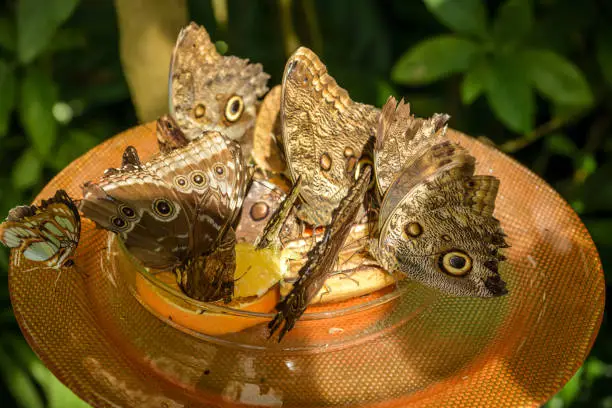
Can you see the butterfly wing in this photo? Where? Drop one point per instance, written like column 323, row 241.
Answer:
column 47, row 233
column 324, row 134
column 436, row 220
column 173, row 207
column 209, row 91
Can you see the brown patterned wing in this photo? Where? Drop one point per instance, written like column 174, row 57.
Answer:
column 436, row 221
column 324, row 134
column 209, row 91
column 174, row 207
column 401, row 136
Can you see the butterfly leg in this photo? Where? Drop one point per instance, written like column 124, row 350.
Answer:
column 321, row 259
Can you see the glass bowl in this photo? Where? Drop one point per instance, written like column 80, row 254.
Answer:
column 409, row 346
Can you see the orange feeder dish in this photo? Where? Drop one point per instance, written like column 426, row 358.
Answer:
column 119, row 336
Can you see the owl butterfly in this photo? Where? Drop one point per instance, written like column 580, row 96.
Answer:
column 48, row 233
column 436, row 221
column 177, row 210
column 209, row 91
column 325, row 135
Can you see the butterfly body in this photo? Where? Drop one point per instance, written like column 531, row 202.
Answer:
column 48, row 233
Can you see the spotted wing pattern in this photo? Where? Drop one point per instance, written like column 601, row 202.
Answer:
column 48, row 233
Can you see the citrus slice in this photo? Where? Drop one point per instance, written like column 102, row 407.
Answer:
column 256, row 290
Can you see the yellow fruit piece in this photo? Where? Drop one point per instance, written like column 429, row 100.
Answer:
column 256, row 270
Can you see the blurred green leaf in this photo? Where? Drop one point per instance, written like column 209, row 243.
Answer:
column 604, row 54
column 598, row 191
column 600, row 230
column 8, row 83
column 510, row 95
column 570, row 392
column 75, row 144
column 38, row 95
column 463, row 16
column 221, row 47
column 383, row 90
column 434, row 59
column 474, row 81
column 513, row 23
column 560, row 143
column 18, row 381
column 556, row 77
column 27, row 171
column 58, row 396
column 7, row 34
column 37, row 21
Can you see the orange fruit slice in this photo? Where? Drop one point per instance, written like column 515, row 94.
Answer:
column 256, row 290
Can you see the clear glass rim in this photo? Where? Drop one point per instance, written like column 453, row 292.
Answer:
column 400, row 288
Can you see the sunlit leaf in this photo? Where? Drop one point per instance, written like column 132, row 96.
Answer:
column 38, row 95
column 513, row 22
column 474, row 81
column 37, row 21
column 27, row 171
column 510, row 95
column 8, row 37
column 8, row 83
column 18, row 381
column 463, row 16
column 556, row 77
column 434, row 59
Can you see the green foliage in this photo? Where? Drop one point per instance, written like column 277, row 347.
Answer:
column 534, row 77
column 508, row 70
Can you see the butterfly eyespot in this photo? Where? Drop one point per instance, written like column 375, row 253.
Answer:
column 259, row 211
column 163, row 207
column 199, row 179
column 220, row 171
column 470, row 184
column 234, row 108
column 455, row 263
column 118, row 222
column 325, row 162
column 180, row 181
column 199, row 111
column 127, row 211
column 413, row 229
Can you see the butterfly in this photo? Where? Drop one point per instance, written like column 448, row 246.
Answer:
column 434, row 223
column 209, row 91
column 48, row 233
column 176, row 211
column 324, row 134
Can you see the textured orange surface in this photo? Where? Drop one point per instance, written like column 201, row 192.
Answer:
column 427, row 350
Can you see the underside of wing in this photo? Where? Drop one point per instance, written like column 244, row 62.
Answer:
column 209, row 91
column 325, row 134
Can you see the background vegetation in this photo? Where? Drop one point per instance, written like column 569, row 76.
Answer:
column 535, row 77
